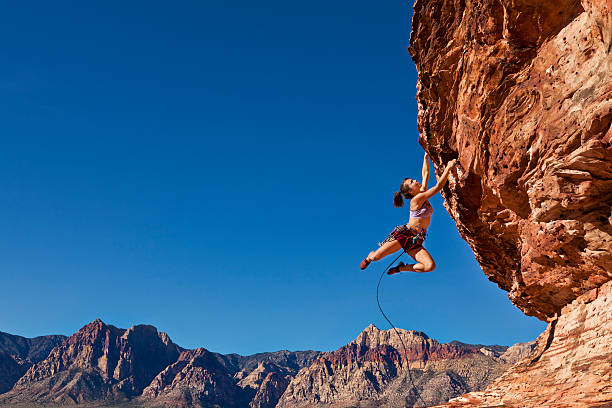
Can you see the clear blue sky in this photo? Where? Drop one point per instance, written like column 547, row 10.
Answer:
column 219, row 170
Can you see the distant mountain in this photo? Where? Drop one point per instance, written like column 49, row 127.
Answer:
column 141, row 367
column 265, row 376
column 104, row 364
column 99, row 362
column 372, row 371
column 17, row 354
column 289, row 361
column 197, row 378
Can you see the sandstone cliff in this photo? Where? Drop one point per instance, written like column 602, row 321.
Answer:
column 521, row 93
column 569, row 367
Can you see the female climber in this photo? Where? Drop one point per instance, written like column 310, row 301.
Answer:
column 410, row 237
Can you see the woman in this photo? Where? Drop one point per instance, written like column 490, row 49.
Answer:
column 410, row 237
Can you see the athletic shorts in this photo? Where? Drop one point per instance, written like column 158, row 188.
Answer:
column 408, row 237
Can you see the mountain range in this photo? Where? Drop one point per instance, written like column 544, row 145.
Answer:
column 102, row 365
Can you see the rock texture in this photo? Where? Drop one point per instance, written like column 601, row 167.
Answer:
column 270, row 390
column 372, row 371
column 268, row 382
column 569, row 367
column 17, row 354
column 520, row 92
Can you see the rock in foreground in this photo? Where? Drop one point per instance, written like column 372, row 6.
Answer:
column 569, row 367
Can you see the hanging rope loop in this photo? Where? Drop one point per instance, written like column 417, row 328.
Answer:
column 395, row 329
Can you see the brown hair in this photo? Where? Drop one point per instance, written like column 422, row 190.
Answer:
column 398, row 197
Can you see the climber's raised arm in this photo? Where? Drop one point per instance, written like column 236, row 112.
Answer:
column 420, row 198
column 425, row 173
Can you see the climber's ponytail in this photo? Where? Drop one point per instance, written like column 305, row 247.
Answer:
column 403, row 193
column 398, row 201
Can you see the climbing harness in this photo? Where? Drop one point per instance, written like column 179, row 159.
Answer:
column 395, row 329
column 408, row 237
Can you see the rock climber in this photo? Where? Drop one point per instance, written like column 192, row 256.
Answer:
column 410, row 237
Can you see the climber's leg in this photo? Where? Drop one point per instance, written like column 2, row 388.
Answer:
column 425, row 262
column 385, row 249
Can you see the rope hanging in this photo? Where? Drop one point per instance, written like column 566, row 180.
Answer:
column 395, row 329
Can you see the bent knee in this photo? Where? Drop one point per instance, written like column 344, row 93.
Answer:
column 430, row 266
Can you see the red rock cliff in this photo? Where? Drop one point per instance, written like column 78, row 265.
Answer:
column 520, row 92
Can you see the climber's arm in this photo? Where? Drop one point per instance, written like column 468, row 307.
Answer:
column 420, row 198
column 425, row 179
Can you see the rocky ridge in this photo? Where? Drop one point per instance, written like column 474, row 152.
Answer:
column 520, row 92
column 372, row 370
column 99, row 361
column 102, row 364
column 141, row 367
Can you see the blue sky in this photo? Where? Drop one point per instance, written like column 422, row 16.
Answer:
column 219, row 170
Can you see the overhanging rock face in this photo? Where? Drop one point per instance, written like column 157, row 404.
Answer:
column 521, row 93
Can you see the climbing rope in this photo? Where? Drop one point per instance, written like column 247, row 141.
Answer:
column 395, row 329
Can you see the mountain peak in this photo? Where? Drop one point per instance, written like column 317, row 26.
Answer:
column 118, row 361
column 372, row 337
column 371, row 327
